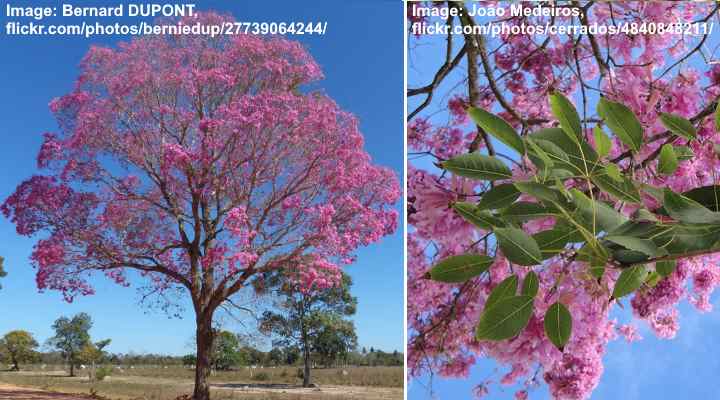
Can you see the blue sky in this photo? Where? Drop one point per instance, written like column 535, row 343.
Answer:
column 683, row 368
column 361, row 56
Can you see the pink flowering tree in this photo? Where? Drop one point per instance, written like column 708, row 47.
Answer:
column 194, row 166
column 567, row 175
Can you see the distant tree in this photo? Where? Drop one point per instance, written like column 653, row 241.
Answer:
column 93, row 354
column 18, row 347
column 2, row 269
column 291, row 355
column 335, row 340
column 275, row 356
column 52, row 357
column 379, row 357
column 304, row 314
column 189, row 360
column 226, row 351
column 253, row 356
column 71, row 336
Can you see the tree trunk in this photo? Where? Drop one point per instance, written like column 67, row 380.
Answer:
column 72, row 368
column 204, row 339
column 305, row 343
column 306, row 372
column 16, row 364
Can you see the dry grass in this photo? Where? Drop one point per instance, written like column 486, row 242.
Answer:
column 355, row 376
column 158, row 383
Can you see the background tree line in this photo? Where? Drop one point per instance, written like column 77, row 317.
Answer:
column 73, row 346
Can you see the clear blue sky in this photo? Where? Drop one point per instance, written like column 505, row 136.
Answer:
column 361, row 56
column 683, row 368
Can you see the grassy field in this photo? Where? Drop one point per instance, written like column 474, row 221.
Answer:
column 168, row 383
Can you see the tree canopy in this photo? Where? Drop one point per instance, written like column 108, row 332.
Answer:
column 554, row 178
column 72, row 335
column 18, row 347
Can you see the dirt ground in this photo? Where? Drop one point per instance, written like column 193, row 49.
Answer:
column 18, row 393
column 11, row 392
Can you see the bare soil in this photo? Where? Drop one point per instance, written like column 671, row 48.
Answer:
column 21, row 393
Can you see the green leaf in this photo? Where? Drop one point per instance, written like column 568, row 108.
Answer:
column 644, row 246
column 665, row 268
column 577, row 157
column 558, row 325
column 629, row 280
column 538, row 191
column 542, row 153
column 621, row 189
column 717, row 117
column 622, row 121
column 596, row 214
column 531, row 284
column 477, row 166
column 593, row 253
column 460, row 268
column 561, row 174
column 681, row 239
column 642, row 214
column 553, row 241
column 549, row 148
column 687, row 210
column 540, row 159
column 481, row 219
column 641, row 229
column 668, row 160
column 522, row 211
column 627, row 257
column 518, row 246
column 613, row 171
column 603, row 144
column 506, row 288
column 652, row 279
column 684, row 153
column 497, row 127
column 708, row 196
column 654, row 191
column 678, row 125
column 505, row 319
column 499, row 196
column 567, row 115
column 596, row 270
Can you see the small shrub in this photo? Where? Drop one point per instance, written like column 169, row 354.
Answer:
column 261, row 376
column 300, row 374
column 102, row 372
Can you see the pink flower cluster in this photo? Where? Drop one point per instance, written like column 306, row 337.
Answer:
column 313, row 274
